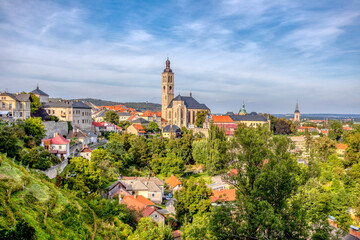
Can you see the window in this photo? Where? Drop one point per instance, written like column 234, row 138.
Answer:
column 10, row 105
column 53, row 111
column 60, row 147
column 83, row 121
column 82, row 113
column 3, row 105
column 153, row 195
column 20, row 114
column 155, row 215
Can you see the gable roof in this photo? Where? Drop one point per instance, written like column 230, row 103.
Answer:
column 137, row 201
column 140, row 121
column 169, row 128
column 39, row 92
column 225, row 195
column 222, row 119
column 17, row 97
column 173, row 181
column 139, row 128
column 58, row 139
column 248, row 117
column 66, row 104
column 341, row 146
column 86, row 149
column 189, row 102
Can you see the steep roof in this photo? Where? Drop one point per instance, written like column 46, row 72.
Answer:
column 173, row 128
column 137, row 201
column 189, row 102
column 148, row 211
column 134, row 185
column 226, row 195
column 139, row 128
column 173, row 181
column 17, row 97
column 86, row 149
column 39, row 92
column 58, row 139
column 248, row 117
column 222, row 119
column 140, row 121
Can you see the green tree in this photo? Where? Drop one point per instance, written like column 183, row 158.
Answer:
column 193, row 198
column 352, row 155
column 282, row 127
column 150, row 230
column 153, row 127
column 200, row 118
column 124, row 124
column 112, row 117
column 200, row 228
column 35, row 103
column 336, row 130
column 139, row 152
column 34, row 128
column 22, row 231
column 199, row 151
column 167, row 166
column 10, row 142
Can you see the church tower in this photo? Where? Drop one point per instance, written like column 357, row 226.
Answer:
column 167, row 89
column 297, row 113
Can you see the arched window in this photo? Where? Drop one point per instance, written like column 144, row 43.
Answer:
column 170, row 87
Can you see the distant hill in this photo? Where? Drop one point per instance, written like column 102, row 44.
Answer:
column 140, row 106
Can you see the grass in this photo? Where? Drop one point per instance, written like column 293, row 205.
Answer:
column 203, row 175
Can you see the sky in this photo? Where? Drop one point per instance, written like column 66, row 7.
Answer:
column 265, row 53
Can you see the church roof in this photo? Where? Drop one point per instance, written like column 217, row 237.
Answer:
column 297, row 108
column 38, row 91
column 170, row 128
column 189, row 102
column 248, row 117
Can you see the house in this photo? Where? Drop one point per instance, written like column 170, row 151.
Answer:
column 174, row 183
column 99, row 127
column 250, row 120
column 86, row 152
column 341, row 149
column 154, row 213
column 124, row 116
column 177, row 235
column 226, row 122
column 117, row 189
column 149, row 187
column 43, row 97
column 76, row 112
column 171, row 131
column 58, row 145
column 14, row 106
column 140, row 121
column 224, row 195
column 98, row 116
column 137, row 202
column 310, row 129
column 136, row 129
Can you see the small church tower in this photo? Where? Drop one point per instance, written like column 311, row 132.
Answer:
column 297, row 113
column 242, row 110
column 167, row 88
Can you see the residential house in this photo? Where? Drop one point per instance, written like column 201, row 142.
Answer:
column 140, row 121
column 309, row 129
column 149, row 187
column 78, row 113
column 341, row 149
column 225, row 195
column 98, row 116
column 14, row 106
column 86, row 152
column 136, row 129
column 154, row 213
column 177, row 234
column 250, row 120
column 152, row 117
column 171, row 131
column 43, row 97
column 99, row 127
column 58, row 145
column 124, row 116
column 174, row 183
column 137, row 202
column 226, row 122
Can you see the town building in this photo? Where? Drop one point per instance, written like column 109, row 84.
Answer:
column 14, row 106
column 154, row 213
column 174, row 183
column 171, row 131
column 297, row 113
column 78, row 113
column 124, row 116
column 86, row 152
column 43, row 97
column 99, row 127
column 58, row 145
column 341, row 149
column 181, row 110
column 224, row 195
column 136, row 129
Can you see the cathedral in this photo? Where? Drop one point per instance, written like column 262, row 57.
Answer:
column 181, row 110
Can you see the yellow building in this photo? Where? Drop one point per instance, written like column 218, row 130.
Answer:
column 14, row 106
column 181, row 110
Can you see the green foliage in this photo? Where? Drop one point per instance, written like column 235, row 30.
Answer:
column 22, row 231
column 199, row 151
column 167, row 166
column 200, row 228
column 153, row 127
column 193, row 198
column 124, row 124
column 39, row 158
column 352, row 155
column 150, row 230
column 34, row 128
column 336, row 130
column 56, row 119
column 112, row 117
column 200, row 118
column 70, row 127
column 282, row 127
column 34, row 103
column 10, row 142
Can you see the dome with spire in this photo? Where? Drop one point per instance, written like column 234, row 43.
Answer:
column 37, row 91
column 242, row 110
column 167, row 63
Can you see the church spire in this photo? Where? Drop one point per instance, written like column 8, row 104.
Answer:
column 167, row 63
column 297, row 107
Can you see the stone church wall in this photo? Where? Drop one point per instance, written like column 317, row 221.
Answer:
column 53, row 127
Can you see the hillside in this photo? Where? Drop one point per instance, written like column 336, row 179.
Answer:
column 50, row 210
column 141, row 106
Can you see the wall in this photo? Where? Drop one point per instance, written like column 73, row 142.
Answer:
column 53, row 127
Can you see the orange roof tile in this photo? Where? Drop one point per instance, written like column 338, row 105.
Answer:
column 164, row 120
column 173, row 181
column 137, row 202
column 148, row 113
column 139, row 128
column 158, row 114
column 341, row 146
column 233, row 172
column 131, row 117
column 226, row 195
column 222, row 119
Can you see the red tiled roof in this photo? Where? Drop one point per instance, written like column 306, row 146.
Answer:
column 148, row 211
column 176, row 233
column 173, row 181
column 222, row 119
column 158, row 114
column 347, row 128
column 233, row 172
column 86, row 149
column 131, row 117
column 57, row 140
column 226, row 195
column 98, row 124
column 139, row 128
column 164, row 120
column 341, row 146
column 148, row 113
column 137, row 202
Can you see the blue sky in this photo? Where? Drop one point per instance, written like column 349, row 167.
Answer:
column 266, row 53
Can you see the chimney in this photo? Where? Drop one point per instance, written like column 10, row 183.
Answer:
column 135, row 196
column 355, row 231
column 55, row 134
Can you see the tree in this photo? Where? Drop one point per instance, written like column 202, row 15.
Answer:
column 167, row 166
column 268, row 176
column 150, row 230
column 22, row 231
column 153, row 127
column 199, row 151
column 34, row 128
column 200, row 228
column 352, row 155
column 200, row 118
column 336, row 130
column 35, row 103
column 124, row 124
column 282, row 127
column 112, row 117
column 193, row 198
column 10, row 142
